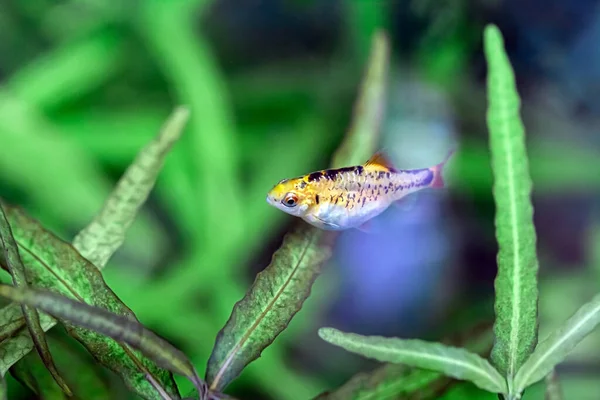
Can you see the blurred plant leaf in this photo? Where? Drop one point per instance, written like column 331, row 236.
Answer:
column 32, row 318
column 118, row 327
column 553, row 389
column 192, row 71
column 516, row 283
column 55, row 265
column 279, row 291
column 68, row 72
column 555, row 348
column 104, row 235
column 452, row 361
column 56, row 258
column 394, row 381
column 32, row 373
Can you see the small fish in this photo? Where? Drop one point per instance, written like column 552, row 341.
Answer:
column 344, row 198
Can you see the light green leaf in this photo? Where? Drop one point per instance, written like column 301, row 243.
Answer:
column 394, row 381
column 516, row 282
column 32, row 318
column 554, row 349
column 105, row 234
column 553, row 389
column 280, row 290
column 451, row 361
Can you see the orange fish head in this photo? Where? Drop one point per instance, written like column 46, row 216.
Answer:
column 291, row 196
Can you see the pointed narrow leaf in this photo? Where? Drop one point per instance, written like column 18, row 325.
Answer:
column 394, row 381
column 554, row 349
column 17, row 271
column 120, row 328
column 451, row 361
column 55, row 265
column 516, row 282
column 105, row 234
column 279, row 291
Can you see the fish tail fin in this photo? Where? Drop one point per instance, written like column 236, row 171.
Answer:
column 438, row 179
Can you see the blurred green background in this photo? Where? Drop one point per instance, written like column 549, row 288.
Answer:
column 271, row 85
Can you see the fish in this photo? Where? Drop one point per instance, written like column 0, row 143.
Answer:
column 350, row 197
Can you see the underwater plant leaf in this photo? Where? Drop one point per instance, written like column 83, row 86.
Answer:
column 118, row 327
column 275, row 297
column 557, row 346
column 31, row 373
column 104, row 235
column 394, row 381
column 55, row 265
column 451, row 361
column 516, row 281
column 280, row 290
column 553, row 389
column 32, row 318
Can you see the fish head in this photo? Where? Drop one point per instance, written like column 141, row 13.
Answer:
column 292, row 196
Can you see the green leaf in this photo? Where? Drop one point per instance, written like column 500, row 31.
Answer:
column 32, row 318
column 553, row 389
column 452, row 361
column 555, row 348
column 55, row 265
column 121, row 328
column 265, row 311
column 516, row 282
column 105, row 234
column 102, row 237
column 32, row 373
column 393, row 381
column 279, row 291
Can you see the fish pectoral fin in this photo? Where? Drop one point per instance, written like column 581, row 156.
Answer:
column 406, row 203
column 328, row 225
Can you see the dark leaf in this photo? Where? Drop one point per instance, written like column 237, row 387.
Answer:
column 32, row 319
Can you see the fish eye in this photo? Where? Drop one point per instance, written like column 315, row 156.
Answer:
column 290, row 200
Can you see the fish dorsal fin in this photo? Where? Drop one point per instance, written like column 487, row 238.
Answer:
column 379, row 161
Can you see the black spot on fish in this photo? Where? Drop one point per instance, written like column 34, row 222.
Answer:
column 317, row 198
column 358, row 170
column 388, row 175
column 302, row 185
column 363, row 202
column 380, row 175
column 331, row 174
column 315, row 176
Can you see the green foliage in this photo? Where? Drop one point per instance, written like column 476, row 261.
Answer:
column 516, row 325
column 452, row 361
column 554, row 349
column 32, row 318
column 516, row 282
column 54, row 111
column 280, row 290
column 275, row 297
column 120, row 328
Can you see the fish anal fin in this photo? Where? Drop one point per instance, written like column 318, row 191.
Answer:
column 379, row 161
column 366, row 227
